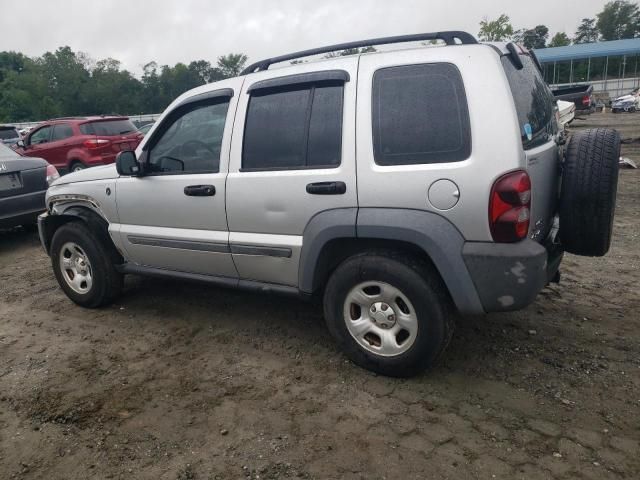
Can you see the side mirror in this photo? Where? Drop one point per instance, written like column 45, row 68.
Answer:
column 127, row 164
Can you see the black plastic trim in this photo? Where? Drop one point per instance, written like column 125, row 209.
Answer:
column 222, row 93
column 180, row 244
column 281, row 252
column 341, row 76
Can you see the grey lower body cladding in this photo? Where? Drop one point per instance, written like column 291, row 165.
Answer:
column 509, row 276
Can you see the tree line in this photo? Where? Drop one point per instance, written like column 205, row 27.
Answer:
column 618, row 20
column 68, row 83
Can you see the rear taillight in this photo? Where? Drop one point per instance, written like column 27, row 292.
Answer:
column 586, row 100
column 96, row 143
column 52, row 174
column 509, row 207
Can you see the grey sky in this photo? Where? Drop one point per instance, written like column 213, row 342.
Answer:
column 170, row 31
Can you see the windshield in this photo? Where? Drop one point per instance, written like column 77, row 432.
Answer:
column 8, row 133
column 108, row 128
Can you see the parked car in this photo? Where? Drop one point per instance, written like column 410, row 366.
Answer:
column 396, row 186
column 9, row 134
column 627, row 103
column 75, row 143
column 581, row 96
column 23, row 184
column 566, row 112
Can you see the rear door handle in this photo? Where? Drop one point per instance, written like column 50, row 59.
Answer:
column 200, row 190
column 327, row 188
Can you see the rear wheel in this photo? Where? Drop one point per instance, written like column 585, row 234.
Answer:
column 82, row 265
column 388, row 312
column 588, row 193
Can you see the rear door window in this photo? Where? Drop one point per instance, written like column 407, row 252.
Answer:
column 108, row 128
column 60, row 132
column 533, row 100
column 420, row 115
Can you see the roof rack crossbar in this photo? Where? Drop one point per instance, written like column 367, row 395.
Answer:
column 449, row 37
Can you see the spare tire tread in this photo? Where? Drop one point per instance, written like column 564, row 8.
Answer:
column 588, row 195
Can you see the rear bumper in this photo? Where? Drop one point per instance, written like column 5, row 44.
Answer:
column 509, row 276
column 21, row 209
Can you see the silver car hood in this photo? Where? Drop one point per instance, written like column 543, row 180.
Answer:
column 103, row 172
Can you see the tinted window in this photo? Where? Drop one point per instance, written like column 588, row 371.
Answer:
column 420, row 115
column 294, row 128
column 8, row 133
column 40, row 136
column 60, row 132
column 191, row 141
column 108, row 128
column 533, row 100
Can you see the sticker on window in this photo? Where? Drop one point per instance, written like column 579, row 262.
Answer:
column 528, row 131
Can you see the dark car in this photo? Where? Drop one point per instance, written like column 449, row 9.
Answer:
column 23, row 184
column 75, row 143
column 581, row 96
column 9, row 134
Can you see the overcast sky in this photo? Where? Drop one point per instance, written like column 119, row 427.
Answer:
column 171, row 31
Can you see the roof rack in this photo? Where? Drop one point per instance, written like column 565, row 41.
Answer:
column 450, row 38
column 65, row 118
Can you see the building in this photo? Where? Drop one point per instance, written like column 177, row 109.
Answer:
column 612, row 68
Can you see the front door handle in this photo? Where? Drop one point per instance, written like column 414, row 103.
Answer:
column 327, row 188
column 200, row 190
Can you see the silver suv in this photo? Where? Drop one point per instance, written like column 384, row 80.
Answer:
column 399, row 187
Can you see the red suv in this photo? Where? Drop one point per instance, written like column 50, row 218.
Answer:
column 74, row 143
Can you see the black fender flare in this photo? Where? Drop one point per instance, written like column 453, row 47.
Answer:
column 432, row 233
column 48, row 224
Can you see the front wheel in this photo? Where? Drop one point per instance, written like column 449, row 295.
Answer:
column 82, row 265
column 388, row 312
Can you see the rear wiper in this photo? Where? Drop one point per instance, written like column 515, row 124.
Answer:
column 126, row 131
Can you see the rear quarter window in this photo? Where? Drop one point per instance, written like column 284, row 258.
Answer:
column 420, row 115
column 533, row 101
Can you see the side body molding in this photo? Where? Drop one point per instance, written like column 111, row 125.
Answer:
column 432, row 233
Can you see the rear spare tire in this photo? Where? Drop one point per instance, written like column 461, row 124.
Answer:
column 588, row 193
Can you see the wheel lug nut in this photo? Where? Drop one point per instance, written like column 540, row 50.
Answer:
column 384, row 307
column 373, row 308
column 392, row 318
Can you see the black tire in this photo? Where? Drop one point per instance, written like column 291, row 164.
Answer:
column 106, row 280
column 588, row 193
column 76, row 166
column 422, row 287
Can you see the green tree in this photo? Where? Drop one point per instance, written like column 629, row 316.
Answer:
column 587, row 31
column 496, row 30
column 619, row 19
column 560, row 39
column 532, row 38
column 231, row 64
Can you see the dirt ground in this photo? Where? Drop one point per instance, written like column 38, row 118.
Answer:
column 184, row 381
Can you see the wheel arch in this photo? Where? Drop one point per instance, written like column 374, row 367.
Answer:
column 78, row 213
column 334, row 235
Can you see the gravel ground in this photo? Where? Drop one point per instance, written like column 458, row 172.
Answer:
column 184, row 381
